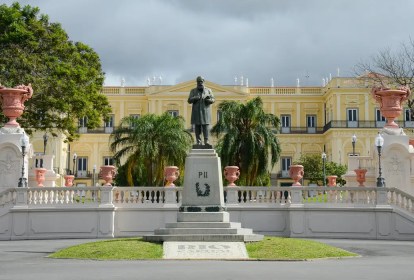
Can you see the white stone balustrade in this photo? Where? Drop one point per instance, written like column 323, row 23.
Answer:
column 106, row 212
column 146, row 195
column 258, row 195
column 8, row 197
column 243, row 196
column 46, row 196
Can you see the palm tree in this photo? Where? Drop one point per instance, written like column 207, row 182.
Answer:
column 246, row 138
column 150, row 143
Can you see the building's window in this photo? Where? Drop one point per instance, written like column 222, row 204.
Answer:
column 173, row 113
column 135, row 117
column 286, row 162
column 108, row 161
column 219, row 115
column 379, row 118
column 109, row 124
column 352, row 117
column 311, row 123
column 82, row 124
column 81, row 167
column 408, row 118
column 285, row 119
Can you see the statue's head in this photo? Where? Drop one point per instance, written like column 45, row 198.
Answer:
column 200, row 82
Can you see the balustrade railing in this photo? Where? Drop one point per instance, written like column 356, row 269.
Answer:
column 258, row 195
column 242, row 196
column 87, row 196
column 146, row 195
column 7, row 197
column 339, row 195
column 401, row 199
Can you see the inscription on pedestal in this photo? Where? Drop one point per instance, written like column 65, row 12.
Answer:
column 205, row 250
column 203, row 185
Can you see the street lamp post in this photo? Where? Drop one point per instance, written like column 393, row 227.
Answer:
column 379, row 142
column 354, row 139
column 24, row 142
column 324, row 173
column 93, row 175
column 75, row 156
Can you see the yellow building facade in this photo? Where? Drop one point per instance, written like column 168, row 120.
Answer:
column 313, row 119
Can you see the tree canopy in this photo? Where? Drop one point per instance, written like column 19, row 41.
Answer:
column 143, row 146
column 246, row 138
column 313, row 168
column 66, row 76
column 391, row 68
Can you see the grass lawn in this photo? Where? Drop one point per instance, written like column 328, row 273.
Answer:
column 279, row 248
column 274, row 248
column 114, row 249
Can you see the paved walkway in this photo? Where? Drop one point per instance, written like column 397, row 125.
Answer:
column 23, row 260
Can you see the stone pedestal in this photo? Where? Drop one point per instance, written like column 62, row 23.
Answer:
column 396, row 159
column 202, row 215
column 43, row 161
column 11, row 158
column 203, row 183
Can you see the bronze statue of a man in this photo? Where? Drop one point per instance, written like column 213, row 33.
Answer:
column 201, row 97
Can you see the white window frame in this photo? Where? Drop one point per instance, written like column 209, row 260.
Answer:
column 311, row 123
column 352, row 117
column 379, row 118
column 83, row 124
column 108, row 161
column 109, row 125
column 408, row 118
column 285, row 123
column 81, row 166
column 174, row 113
column 285, row 164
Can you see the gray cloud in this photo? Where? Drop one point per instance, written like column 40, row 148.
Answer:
column 219, row 39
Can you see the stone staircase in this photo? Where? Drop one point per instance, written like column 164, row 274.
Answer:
column 202, row 216
column 204, row 226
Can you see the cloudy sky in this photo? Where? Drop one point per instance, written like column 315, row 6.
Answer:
column 223, row 39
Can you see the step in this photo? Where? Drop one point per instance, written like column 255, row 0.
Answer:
column 203, row 217
column 205, row 237
column 188, row 231
column 203, row 225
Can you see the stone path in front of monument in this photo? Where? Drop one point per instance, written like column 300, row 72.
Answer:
column 380, row 260
column 205, row 250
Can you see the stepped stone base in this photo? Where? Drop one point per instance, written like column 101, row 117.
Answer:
column 211, row 227
column 202, row 215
